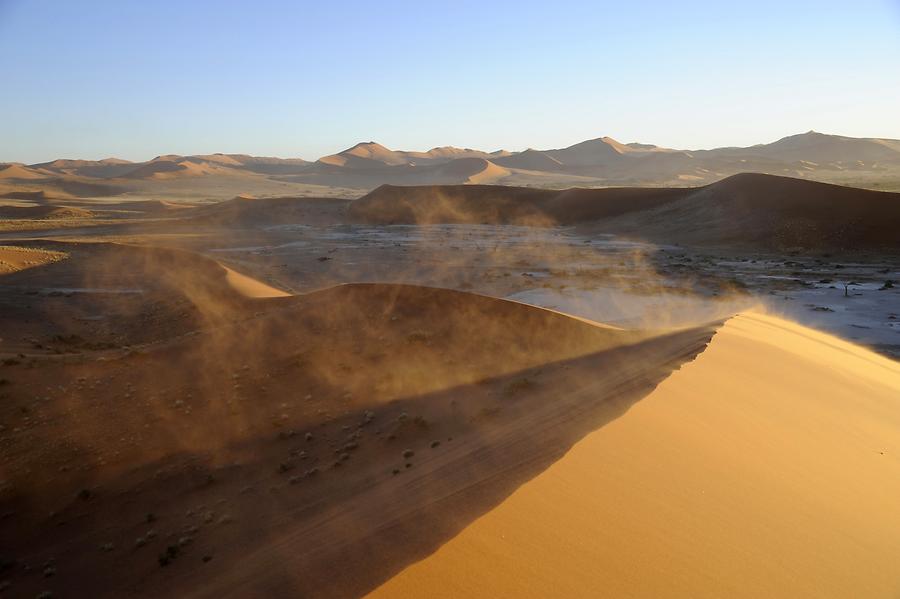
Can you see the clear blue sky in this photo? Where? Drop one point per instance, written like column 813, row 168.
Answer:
column 134, row 79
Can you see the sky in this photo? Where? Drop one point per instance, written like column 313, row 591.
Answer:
column 92, row 79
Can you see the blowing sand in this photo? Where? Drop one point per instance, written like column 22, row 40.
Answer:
column 249, row 287
column 768, row 467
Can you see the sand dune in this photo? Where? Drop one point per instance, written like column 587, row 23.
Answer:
column 820, row 148
column 593, row 152
column 266, row 164
column 771, row 212
column 485, row 392
column 44, row 212
column 223, row 159
column 599, row 162
column 766, row 468
column 364, row 155
column 31, row 196
column 109, row 294
column 451, row 153
column 16, row 258
column 64, row 164
column 532, row 160
column 169, row 169
column 371, row 155
column 451, row 204
column 154, row 169
column 173, row 426
column 247, row 211
column 750, row 209
column 504, row 204
column 106, row 168
column 249, row 287
column 20, row 171
column 476, row 170
column 149, row 206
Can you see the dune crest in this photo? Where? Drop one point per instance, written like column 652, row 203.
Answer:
column 19, row 171
column 249, row 287
column 765, row 468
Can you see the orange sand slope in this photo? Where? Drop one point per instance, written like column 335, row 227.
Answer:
column 768, row 467
column 14, row 258
column 249, row 287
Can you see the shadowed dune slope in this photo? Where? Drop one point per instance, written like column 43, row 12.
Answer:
column 250, row 212
column 761, row 210
column 109, row 295
column 32, row 196
column 425, row 408
column 430, row 204
column 768, row 467
column 772, row 212
column 44, row 212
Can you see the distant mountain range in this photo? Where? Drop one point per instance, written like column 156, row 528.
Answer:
column 597, row 162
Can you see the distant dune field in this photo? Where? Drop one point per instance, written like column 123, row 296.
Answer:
column 600, row 162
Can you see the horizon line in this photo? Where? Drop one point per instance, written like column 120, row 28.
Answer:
column 603, row 137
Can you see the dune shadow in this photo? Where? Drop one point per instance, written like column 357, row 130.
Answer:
column 397, row 515
column 417, row 411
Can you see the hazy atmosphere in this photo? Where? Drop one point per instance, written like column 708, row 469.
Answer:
column 487, row 300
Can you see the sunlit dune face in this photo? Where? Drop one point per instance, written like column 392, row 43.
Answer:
column 14, row 258
column 771, row 452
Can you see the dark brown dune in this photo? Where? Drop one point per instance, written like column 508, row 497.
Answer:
column 774, row 213
column 44, row 212
column 248, row 211
column 33, row 196
column 136, row 461
column 85, row 187
column 504, row 205
column 430, row 204
column 110, row 295
column 751, row 209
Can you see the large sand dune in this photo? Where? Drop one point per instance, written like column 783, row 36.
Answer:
column 20, row 171
column 749, row 209
column 768, row 467
column 43, row 212
column 774, row 213
column 168, row 389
